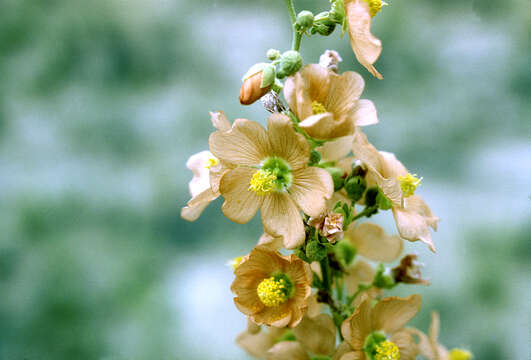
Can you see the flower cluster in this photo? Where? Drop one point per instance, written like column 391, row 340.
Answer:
column 314, row 285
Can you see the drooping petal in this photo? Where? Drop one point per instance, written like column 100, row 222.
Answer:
column 286, row 143
column 357, row 327
column 365, row 45
column 219, row 120
column 245, row 144
column 197, row 204
column 318, row 334
column 406, row 345
column 240, row 203
column 197, row 163
column 364, row 113
column 374, row 243
column 325, row 126
column 414, row 220
column 392, row 167
column 281, row 217
column 393, row 313
column 336, row 149
column 344, row 93
column 287, row 350
column 311, row 187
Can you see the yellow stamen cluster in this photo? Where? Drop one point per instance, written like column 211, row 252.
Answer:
column 375, row 6
column 460, row 354
column 409, row 184
column 318, row 108
column 211, row 162
column 234, row 263
column 387, row 351
column 272, row 292
column 262, row 182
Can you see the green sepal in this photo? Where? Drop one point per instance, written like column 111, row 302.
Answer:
column 355, row 186
column 316, row 251
column 256, row 68
column 317, row 283
column 382, row 201
column 382, row 280
column 337, row 175
column 345, row 252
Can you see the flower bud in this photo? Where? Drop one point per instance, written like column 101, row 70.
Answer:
column 382, row 279
column 370, row 196
column 256, row 83
column 304, row 21
column 273, row 54
column 338, row 176
column 315, row 157
column 290, row 63
column 315, row 251
column 337, row 12
column 408, row 271
column 345, row 252
column 355, row 187
column 322, row 24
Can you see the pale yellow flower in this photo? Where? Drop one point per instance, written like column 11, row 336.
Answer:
column 207, row 171
column 372, row 242
column 365, row 45
column 270, row 173
column 429, row 345
column 272, row 289
column 383, row 326
column 412, row 215
column 327, row 104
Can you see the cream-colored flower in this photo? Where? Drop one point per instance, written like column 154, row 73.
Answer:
column 365, row 45
column 379, row 330
column 256, row 342
column 271, row 174
column 412, row 216
column 207, row 170
column 429, row 346
column 372, row 242
column 327, row 104
column 272, row 289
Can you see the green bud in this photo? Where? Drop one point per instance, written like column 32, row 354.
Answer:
column 273, row 54
column 268, row 76
column 337, row 176
column 382, row 280
column 355, row 187
column 370, row 196
column 322, row 24
column 345, row 252
column 301, row 255
column 304, row 21
column 315, row 251
column 382, row 201
column 290, row 63
column 315, row 157
column 337, row 12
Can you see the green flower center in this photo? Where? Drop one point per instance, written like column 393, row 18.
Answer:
column 274, row 175
column 275, row 290
column 377, row 347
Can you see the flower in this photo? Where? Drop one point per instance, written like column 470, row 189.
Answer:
column 429, row 346
column 252, row 90
column 257, row 342
column 377, row 333
column 408, row 271
column 361, row 273
column 329, row 224
column 412, row 215
column 328, row 104
column 372, row 242
column 272, row 289
column 207, row 170
column 269, row 172
column 366, row 46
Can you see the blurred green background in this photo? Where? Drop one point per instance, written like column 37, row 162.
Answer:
column 103, row 101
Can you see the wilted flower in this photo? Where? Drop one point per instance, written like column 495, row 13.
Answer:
column 408, row 271
column 329, row 224
column 272, row 289
column 271, row 173
column 377, row 333
column 330, row 60
column 328, row 104
column 413, row 217
column 365, row 45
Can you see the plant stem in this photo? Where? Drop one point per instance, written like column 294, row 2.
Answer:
column 297, row 36
column 325, row 270
column 291, row 10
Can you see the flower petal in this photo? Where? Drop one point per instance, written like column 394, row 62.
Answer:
column 278, row 316
column 336, row 149
column 344, row 93
column 311, row 188
column 240, row 203
column 219, row 121
column 424, row 345
column 342, row 349
column 256, row 344
column 365, row 45
column 197, row 163
column 364, row 113
column 286, row 143
column 357, row 327
column 270, row 242
column 406, row 345
column 281, row 217
column 393, row 313
column 287, row 350
column 245, row 143
column 197, row 204
column 353, row 355
column 359, row 273
column 325, row 126
column 318, row 334
column 372, row 242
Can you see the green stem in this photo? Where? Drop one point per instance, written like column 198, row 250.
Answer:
column 297, row 36
column 291, row 10
column 325, row 270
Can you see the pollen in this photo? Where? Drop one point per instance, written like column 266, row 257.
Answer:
column 318, row 108
column 272, row 292
column 262, row 182
column 387, row 351
column 211, row 162
column 409, row 184
column 375, row 6
column 234, row 263
column 460, row 354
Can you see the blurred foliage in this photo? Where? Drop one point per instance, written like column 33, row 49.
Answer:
column 101, row 103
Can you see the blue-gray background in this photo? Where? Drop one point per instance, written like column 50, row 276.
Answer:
column 102, row 102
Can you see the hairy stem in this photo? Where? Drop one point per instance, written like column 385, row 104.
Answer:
column 297, row 36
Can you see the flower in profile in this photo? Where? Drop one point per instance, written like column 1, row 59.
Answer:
column 366, row 46
column 429, row 346
column 412, row 215
column 408, row 272
column 272, row 289
column 377, row 333
column 207, row 170
column 269, row 172
column 327, row 104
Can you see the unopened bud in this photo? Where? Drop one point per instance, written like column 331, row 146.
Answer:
column 290, row 63
column 337, row 12
column 273, row 54
column 338, row 176
column 408, row 271
column 322, row 24
column 304, row 21
column 330, row 60
column 315, row 157
column 355, row 187
column 256, row 83
column 315, row 251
